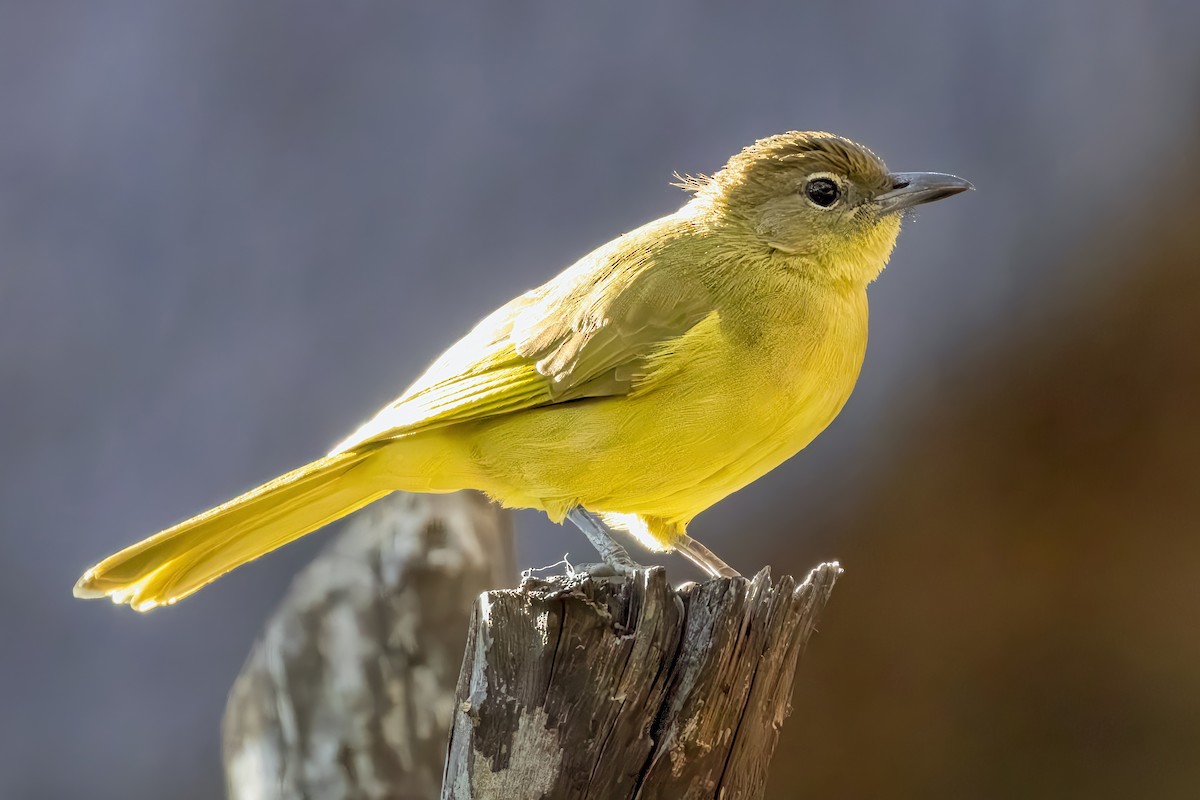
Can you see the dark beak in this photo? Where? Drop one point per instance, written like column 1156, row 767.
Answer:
column 914, row 188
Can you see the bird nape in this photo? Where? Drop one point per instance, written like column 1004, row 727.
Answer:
column 654, row 377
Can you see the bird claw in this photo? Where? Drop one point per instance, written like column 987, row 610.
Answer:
column 607, row 570
column 619, row 569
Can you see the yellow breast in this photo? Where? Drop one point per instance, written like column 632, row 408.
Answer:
column 715, row 411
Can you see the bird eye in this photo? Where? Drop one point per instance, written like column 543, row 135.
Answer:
column 822, row 191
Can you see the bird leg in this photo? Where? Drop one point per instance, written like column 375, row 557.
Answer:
column 704, row 558
column 615, row 556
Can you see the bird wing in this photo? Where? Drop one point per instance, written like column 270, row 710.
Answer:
column 585, row 333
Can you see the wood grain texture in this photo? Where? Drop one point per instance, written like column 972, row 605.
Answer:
column 349, row 692
column 576, row 687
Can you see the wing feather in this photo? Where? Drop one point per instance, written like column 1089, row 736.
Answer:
column 585, row 333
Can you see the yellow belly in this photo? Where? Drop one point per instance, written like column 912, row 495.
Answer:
column 712, row 416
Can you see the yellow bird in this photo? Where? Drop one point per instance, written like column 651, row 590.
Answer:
column 654, row 377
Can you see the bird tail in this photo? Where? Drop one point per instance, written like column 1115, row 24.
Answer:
column 176, row 562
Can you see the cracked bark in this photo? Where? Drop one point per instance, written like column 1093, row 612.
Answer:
column 350, row 690
column 627, row 688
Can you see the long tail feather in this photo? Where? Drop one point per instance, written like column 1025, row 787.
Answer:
column 179, row 560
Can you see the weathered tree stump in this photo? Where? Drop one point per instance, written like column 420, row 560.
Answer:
column 349, row 692
column 621, row 688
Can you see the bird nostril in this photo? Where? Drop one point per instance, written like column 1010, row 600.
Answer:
column 899, row 185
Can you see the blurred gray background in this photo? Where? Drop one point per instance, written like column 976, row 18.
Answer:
column 230, row 231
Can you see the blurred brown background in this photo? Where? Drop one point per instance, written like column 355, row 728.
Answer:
column 230, row 231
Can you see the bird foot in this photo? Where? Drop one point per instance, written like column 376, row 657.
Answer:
column 618, row 569
column 607, row 569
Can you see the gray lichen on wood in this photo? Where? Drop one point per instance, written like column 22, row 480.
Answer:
column 620, row 688
column 349, row 692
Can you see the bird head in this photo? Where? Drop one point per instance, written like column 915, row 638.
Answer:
column 818, row 202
